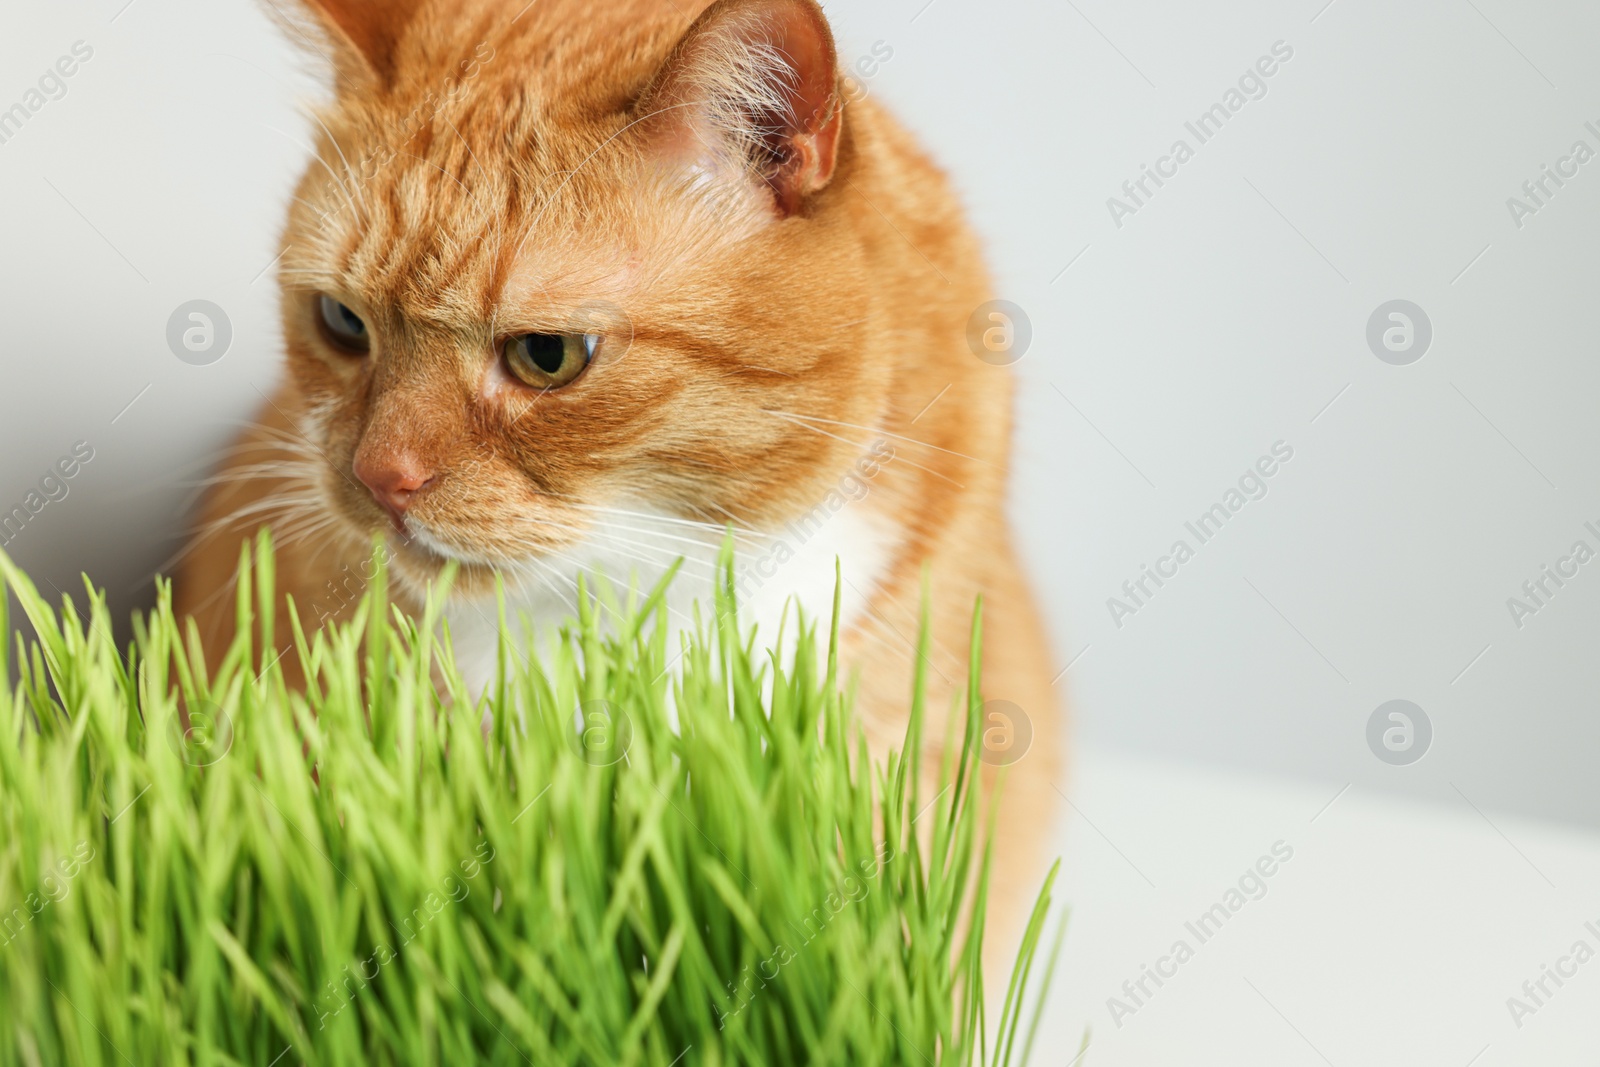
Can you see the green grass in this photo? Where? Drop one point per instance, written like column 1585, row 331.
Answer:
column 360, row 874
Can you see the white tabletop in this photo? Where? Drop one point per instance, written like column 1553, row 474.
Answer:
column 1395, row 933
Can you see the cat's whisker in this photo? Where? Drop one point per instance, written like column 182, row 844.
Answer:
column 578, row 567
column 209, row 531
column 317, row 157
column 354, row 179
column 316, row 208
column 635, row 551
column 296, row 526
column 632, row 550
column 704, row 569
column 879, row 431
column 647, row 538
column 543, row 570
column 200, row 609
column 227, row 588
column 570, row 578
column 308, row 277
column 543, row 573
column 256, row 426
column 235, row 520
column 856, row 444
column 280, row 470
column 873, row 626
column 740, row 523
column 706, row 545
column 736, row 520
column 276, row 502
column 285, row 453
column 274, row 518
column 739, row 530
column 604, row 531
column 294, row 440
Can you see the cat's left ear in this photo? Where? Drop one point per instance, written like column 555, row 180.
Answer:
column 752, row 90
column 363, row 35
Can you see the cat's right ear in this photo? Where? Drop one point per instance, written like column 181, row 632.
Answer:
column 360, row 37
column 751, row 93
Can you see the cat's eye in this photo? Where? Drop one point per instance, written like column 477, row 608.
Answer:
column 549, row 360
column 343, row 327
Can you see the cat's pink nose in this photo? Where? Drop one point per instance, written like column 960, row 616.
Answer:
column 394, row 480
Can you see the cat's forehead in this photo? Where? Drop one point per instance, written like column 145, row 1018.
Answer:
column 447, row 229
column 503, row 176
column 464, row 226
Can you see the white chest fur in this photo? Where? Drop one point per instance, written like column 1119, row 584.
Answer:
column 775, row 571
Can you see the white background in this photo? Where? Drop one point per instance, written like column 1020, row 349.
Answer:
column 1168, row 354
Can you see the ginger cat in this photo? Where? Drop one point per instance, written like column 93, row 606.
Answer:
column 573, row 286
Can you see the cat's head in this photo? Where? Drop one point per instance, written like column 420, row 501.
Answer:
column 559, row 257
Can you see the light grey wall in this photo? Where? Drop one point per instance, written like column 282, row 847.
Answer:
column 1229, row 312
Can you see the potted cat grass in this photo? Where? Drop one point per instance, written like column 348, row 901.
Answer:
column 361, row 873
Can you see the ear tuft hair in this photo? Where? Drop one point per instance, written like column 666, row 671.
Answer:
column 753, row 87
column 361, row 36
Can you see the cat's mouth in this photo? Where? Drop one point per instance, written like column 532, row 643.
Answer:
column 418, row 557
column 423, row 552
column 417, row 548
column 417, row 538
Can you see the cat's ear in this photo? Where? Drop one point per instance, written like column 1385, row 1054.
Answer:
column 361, row 36
column 752, row 90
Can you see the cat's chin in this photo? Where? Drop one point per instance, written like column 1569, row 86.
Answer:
column 420, row 557
column 419, row 550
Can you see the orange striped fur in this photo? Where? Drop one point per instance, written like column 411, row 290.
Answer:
column 783, row 308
